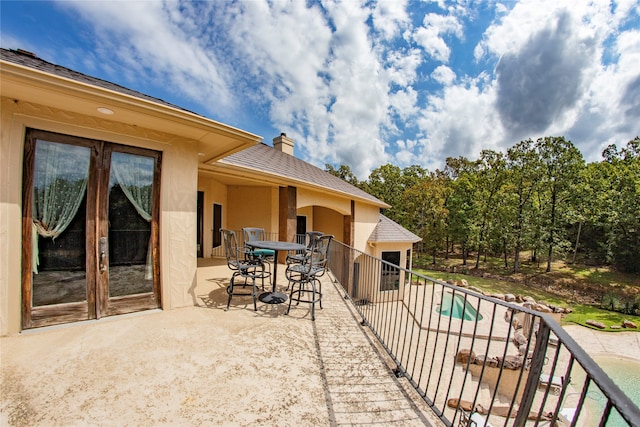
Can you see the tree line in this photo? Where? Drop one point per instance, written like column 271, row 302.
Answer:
column 539, row 196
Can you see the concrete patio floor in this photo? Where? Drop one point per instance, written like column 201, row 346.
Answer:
column 205, row 366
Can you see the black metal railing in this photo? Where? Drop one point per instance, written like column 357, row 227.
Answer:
column 475, row 358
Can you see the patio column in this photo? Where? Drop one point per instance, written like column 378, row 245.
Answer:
column 287, row 213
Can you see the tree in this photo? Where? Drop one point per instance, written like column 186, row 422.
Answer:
column 425, row 204
column 524, row 175
column 561, row 167
column 343, row 172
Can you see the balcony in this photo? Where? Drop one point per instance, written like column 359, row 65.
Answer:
column 369, row 358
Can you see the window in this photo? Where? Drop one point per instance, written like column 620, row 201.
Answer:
column 217, row 225
column 390, row 280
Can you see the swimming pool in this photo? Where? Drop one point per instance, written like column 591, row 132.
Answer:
column 455, row 306
column 625, row 373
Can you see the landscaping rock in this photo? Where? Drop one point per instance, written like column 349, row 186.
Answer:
column 464, row 355
column 464, row 283
column 497, row 296
column 542, row 308
column 509, row 298
column 629, row 324
column 529, row 299
column 616, row 327
column 596, row 324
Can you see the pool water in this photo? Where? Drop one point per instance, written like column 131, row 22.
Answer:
column 456, row 306
column 625, row 374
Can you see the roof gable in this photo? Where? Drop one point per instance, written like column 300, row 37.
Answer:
column 388, row 230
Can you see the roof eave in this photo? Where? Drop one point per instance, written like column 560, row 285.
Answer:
column 215, row 140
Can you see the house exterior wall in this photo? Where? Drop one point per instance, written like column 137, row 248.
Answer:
column 214, row 192
column 366, row 219
column 251, row 206
column 328, row 221
column 177, row 198
column 378, row 249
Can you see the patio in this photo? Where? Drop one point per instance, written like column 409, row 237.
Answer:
column 204, row 366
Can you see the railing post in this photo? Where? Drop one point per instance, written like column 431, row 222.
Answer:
column 537, row 363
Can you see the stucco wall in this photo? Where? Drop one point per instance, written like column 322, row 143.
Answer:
column 328, row 221
column 251, row 206
column 214, row 192
column 366, row 219
column 177, row 204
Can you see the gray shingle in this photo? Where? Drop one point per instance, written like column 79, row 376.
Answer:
column 264, row 158
column 388, row 230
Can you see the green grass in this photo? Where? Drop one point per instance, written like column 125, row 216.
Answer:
column 581, row 312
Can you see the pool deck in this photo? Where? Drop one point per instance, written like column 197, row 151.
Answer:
column 611, row 344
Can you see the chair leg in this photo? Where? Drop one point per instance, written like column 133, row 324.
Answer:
column 255, row 294
column 320, row 293
column 313, row 299
column 230, row 291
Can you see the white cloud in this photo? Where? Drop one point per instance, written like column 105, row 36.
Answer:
column 355, row 83
column 429, row 36
column 443, row 75
column 142, row 39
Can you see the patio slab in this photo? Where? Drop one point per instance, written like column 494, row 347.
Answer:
column 204, row 366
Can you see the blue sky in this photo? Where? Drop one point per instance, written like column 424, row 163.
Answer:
column 363, row 83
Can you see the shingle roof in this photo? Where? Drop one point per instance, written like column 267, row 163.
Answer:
column 259, row 157
column 30, row 60
column 388, row 230
column 264, row 158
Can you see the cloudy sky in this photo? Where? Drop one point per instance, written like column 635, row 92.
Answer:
column 364, row 83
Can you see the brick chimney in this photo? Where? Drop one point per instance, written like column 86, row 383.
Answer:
column 283, row 143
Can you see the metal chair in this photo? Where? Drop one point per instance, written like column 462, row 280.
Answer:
column 304, row 277
column 298, row 257
column 241, row 267
column 264, row 256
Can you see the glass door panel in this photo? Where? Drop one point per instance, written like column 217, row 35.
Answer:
column 58, row 264
column 130, row 214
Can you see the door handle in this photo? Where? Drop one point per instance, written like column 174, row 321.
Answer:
column 103, row 253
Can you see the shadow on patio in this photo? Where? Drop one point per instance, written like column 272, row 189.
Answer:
column 204, row 366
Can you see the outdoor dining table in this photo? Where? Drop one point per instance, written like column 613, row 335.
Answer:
column 275, row 297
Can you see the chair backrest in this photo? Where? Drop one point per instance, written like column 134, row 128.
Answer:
column 320, row 250
column 230, row 246
column 251, row 234
column 311, row 236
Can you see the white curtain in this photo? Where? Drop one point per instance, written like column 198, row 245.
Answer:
column 60, row 181
column 134, row 174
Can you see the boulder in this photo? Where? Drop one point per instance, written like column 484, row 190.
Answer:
column 616, row 327
column 509, row 297
column 596, row 324
column 464, row 283
column 465, row 355
column 542, row 308
column 519, row 338
column 497, row 296
column 529, row 299
column 629, row 324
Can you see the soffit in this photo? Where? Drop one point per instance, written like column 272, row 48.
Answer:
column 215, row 140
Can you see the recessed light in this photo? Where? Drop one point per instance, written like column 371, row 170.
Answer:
column 104, row 110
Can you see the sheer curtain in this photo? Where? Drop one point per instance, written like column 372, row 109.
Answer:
column 60, row 181
column 134, row 174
